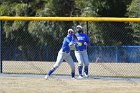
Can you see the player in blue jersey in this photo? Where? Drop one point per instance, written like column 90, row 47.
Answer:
column 81, row 51
column 64, row 53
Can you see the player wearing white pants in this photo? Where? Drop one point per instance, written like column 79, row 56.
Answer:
column 64, row 56
column 81, row 51
column 64, row 53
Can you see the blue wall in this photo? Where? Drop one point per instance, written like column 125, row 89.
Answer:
column 127, row 54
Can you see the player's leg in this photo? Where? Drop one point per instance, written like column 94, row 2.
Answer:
column 86, row 71
column 80, row 70
column 71, row 63
column 80, row 62
column 59, row 60
column 86, row 63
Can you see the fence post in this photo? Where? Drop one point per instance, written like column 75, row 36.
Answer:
column 87, row 31
column 87, row 27
column 116, row 54
column 0, row 46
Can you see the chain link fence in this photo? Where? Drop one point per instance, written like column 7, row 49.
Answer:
column 32, row 47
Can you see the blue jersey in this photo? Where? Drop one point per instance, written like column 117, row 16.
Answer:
column 65, row 46
column 82, row 38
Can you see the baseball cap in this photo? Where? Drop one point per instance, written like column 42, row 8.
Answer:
column 70, row 30
column 79, row 26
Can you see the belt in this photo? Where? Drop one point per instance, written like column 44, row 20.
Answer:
column 65, row 51
column 79, row 49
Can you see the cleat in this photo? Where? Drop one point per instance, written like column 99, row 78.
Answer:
column 73, row 78
column 86, row 76
column 46, row 77
column 80, row 77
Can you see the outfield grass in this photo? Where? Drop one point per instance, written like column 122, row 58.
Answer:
column 15, row 84
column 40, row 85
column 95, row 69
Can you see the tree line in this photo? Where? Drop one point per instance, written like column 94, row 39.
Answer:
column 25, row 34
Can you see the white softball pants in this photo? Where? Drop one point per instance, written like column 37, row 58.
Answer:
column 82, row 58
column 63, row 55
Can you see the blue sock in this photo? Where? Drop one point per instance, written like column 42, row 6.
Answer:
column 80, row 68
column 51, row 71
column 86, row 70
column 72, row 74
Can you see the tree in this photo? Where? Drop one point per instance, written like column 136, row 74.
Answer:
column 17, row 34
column 134, row 12
column 112, row 33
column 38, row 33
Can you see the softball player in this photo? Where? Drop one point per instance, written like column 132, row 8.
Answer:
column 64, row 53
column 81, row 51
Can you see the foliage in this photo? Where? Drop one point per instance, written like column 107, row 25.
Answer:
column 40, row 33
column 107, row 33
column 44, row 33
column 110, row 8
column 134, row 12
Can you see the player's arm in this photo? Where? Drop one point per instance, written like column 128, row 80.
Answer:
column 69, row 41
column 87, row 42
column 71, row 44
column 76, row 41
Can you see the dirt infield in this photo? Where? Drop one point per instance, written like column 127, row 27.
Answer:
column 55, row 85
